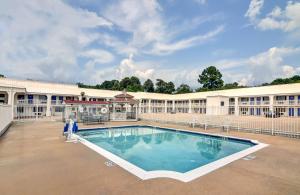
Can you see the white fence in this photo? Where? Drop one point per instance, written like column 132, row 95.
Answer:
column 267, row 124
column 5, row 117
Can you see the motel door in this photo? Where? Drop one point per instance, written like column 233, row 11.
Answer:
column 258, row 111
column 251, row 111
column 291, row 112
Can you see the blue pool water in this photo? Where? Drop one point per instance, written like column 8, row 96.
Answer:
column 152, row 148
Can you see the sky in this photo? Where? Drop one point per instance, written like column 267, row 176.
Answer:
column 249, row 41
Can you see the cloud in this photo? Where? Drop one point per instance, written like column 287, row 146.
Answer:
column 98, row 55
column 254, row 9
column 287, row 19
column 149, row 30
column 260, row 68
column 45, row 39
column 289, row 71
column 168, row 48
column 128, row 67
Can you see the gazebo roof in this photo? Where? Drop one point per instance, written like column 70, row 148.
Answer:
column 124, row 95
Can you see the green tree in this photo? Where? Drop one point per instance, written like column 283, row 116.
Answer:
column 164, row 87
column 106, row 85
column 170, row 87
column 184, row 88
column 116, row 85
column 148, row 86
column 231, row 85
column 160, row 86
column 2, row 76
column 132, row 84
column 211, row 78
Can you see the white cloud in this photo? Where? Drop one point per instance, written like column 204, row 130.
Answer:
column 287, row 19
column 43, row 39
column 150, row 32
column 254, row 9
column 98, row 55
column 167, row 48
column 260, row 68
column 128, row 67
column 289, row 71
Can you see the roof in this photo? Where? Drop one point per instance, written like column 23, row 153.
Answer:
column 36, row 87
column 124, row 95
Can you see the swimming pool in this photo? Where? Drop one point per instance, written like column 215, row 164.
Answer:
column 150, row 152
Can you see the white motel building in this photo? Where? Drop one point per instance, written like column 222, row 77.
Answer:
column 47, row 99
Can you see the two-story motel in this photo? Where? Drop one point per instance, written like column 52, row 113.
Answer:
column 48, row 99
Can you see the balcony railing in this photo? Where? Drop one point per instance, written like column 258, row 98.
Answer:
column 31, row 101
column 287, row 102
column 254, row 103
column 57, row 102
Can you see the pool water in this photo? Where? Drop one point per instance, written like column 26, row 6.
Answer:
column 153, row 149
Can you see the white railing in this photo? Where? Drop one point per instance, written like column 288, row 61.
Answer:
column 5, row 117
column 287, row 102
column 57, row 102
column 28, row 111
column 253, row 103
column 31, row 101
column 251, row 121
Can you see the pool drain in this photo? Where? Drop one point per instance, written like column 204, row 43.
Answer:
column 249, row 157
column 109, row 163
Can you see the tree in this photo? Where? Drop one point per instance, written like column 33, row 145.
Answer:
column 211, row 78
column 116, row 85
column 135, row 84
column 124, row 83
column 106, row 85
column 231, row 85
column 164, row 87
column 109, row 85
column 2, row 76
column 170, row 87
column 148, row 86
column 132, row 84
column 184, row 88
column 160, row 86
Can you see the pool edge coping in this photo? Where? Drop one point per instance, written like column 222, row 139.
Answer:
column 184, row 177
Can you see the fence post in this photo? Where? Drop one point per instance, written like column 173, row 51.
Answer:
column 272, row 122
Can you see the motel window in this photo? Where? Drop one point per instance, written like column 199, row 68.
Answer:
column 20, row 109
column 222, row 103
column 58, row 109
column 21, row 97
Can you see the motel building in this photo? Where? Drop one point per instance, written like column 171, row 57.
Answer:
column 33, row 100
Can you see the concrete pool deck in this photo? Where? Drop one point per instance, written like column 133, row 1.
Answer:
column 34, row 159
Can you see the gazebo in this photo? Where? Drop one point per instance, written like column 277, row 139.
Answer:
column 124, row 108
column 121, row 108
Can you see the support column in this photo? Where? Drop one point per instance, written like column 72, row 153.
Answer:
column 11, row 101
column 149, row 106
column 48, row 110
column 140, row 106
column 271, row 101
column 236, row 106
column 166, row 106
column 190, row 106
column 173, row 105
